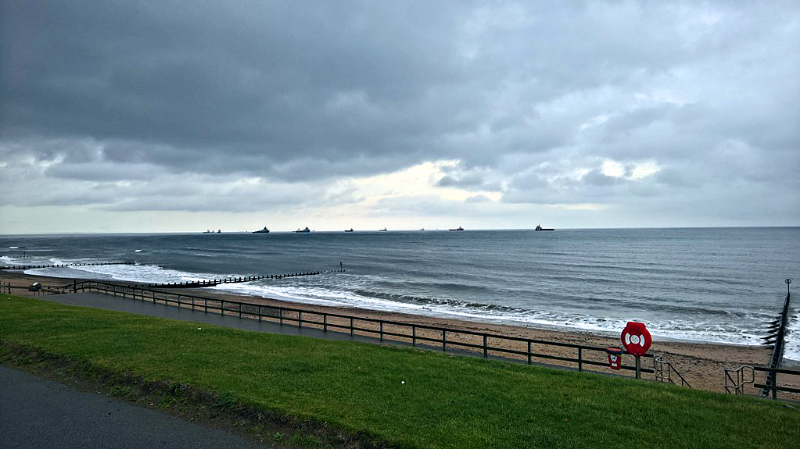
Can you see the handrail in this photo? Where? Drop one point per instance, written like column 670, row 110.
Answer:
column 660, row 375
column 296, row 315
column 736, row 386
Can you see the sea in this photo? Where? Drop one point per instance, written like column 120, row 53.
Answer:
column 721, row 285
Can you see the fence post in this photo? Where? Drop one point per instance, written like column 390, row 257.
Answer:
column 638, row 367
column 529, row 352
column 444, row 340
column 774, row 385
column 580, row 359
column 381, row 330
column 413, row 335
column 240, row 310
column 351, row 326
column 280, row 315
column 205, row 305
column 259, row 314
column 300, row 319
column 154, row 297
column 325, row 322
column 485, row 348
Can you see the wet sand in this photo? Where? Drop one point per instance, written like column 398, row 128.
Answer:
column 701, row 364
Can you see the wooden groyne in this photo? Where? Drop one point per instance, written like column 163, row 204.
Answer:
column 737, row 380
column 31, row 267
column 235, row 280
column 777, row 339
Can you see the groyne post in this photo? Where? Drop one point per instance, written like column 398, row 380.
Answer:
column 779, row 343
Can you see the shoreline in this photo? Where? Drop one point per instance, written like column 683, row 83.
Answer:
column 701, row 364
column 447, row 317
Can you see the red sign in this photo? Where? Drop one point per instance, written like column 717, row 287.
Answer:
column 636, row 338
column 614, row 357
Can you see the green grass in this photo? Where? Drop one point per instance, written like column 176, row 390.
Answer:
column 408, row 398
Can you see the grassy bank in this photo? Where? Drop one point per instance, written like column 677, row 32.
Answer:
column 405, row 397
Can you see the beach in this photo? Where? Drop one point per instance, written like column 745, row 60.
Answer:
column 702, row 365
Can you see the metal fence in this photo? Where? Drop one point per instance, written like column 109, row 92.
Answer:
column 745, row 379
column 526, row 350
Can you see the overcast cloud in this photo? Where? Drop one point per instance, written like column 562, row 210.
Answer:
column 181, row 115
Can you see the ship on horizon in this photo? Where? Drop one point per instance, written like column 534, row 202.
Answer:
column 540, row 228
column 262, row 231
column 303, row 230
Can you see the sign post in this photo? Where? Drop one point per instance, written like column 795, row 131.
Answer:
column 637, row 340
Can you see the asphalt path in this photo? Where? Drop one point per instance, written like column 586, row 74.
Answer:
column 39, row 413
column 110, row 302
column 130, row 305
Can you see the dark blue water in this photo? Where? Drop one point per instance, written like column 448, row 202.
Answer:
column 720, row 285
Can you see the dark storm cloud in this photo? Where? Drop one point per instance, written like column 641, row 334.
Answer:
column 268, row 81
column 530, row 98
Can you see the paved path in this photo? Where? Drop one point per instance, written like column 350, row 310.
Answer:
column 118, row 303
column 35, row 412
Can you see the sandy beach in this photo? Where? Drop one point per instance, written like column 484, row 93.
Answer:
column 701, row 364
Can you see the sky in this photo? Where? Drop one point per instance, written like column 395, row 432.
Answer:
column 182, row 116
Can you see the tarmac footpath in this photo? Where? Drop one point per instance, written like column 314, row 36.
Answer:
column 110, row 302
column 39, row 413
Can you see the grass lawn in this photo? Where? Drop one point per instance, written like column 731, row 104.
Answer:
column 404, row 397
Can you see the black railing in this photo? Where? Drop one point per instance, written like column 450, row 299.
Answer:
column 772, row 387
column 35, row 289
column 435, row 337
column 737, row 381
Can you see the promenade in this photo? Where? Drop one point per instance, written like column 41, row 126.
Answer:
column 39, row 413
